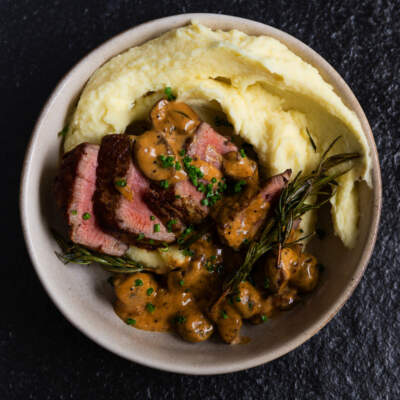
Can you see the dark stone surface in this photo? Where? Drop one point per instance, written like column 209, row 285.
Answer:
column 42, row 356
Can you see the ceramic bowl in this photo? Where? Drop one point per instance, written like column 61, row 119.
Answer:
column 84, row 297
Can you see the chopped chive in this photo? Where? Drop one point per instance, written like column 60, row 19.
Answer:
column 213, row 258
column 152, row 217
column 242, row 153
column 131, row 321
column 177, row 196
column 178, row 166
column 182, row 152
column 238, row 299
column 86, row 216
column 170, row 223
column 74, row 212
column 120, row 182
column 204, row 202
column 180, row 319
column 149, row 291
column 181, row 282
column 264, row 317
column 151, row 241
column 165, row 248
column 140, row 236
column 213, row 179
column 164, row 184
column 156, row 227
column 138, row 282
column 170, row 95
column 188, row 252
column 239, row 186
column 224, row 315
column 64, row 131
column 150, row 307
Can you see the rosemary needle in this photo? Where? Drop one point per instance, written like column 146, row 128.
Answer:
column 75, row 253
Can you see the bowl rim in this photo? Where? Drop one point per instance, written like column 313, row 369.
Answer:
column 290, row 41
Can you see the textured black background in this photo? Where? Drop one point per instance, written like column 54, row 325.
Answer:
column 42, row 356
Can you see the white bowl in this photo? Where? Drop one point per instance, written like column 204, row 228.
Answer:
column 82, row 294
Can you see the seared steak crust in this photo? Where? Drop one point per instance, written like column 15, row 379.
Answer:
column 181, row 203
column 74, row 188
column 127, row 217
column 241, row 216
column 113, row 161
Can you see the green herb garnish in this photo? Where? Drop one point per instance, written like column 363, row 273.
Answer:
column 242, row 153
column 170, row 95
column 180, row 319
column 157, row 228
column 170, row 223
column 150, row 307
column 63, row 131
column 74, row 212
column 131, row 321
column 164, row 184
column 75, row 253
column 149, row 291
column 291, row 206
column 138, row 282
column 166, row 161
column 120, row 182
column 239, row 186
column 86, row 216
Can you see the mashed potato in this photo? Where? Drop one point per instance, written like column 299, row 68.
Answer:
column 270, row 95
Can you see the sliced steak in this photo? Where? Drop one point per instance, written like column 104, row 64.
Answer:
column 74, row 188
column 182, row 201
column 180, row 204
column 122, row 209
column 208, row 145
column 240, row 217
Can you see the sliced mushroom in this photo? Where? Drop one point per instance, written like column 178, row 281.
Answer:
column 171, row 117
column 148, row 149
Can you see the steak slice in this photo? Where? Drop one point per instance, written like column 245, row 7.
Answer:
column 180, row 204
column 124, row 212
column 182, row 201
column 240, row 217
column 208, row 145
column 74, row 188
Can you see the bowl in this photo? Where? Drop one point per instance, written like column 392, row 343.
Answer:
column 82, row 294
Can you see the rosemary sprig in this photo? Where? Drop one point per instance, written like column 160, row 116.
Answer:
column 75, row 253
column 291, row 206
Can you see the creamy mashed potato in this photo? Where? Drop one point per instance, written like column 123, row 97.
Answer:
column 163, row 261
column 270, row 95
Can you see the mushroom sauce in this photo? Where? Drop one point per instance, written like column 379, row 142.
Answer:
column 190, row 299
